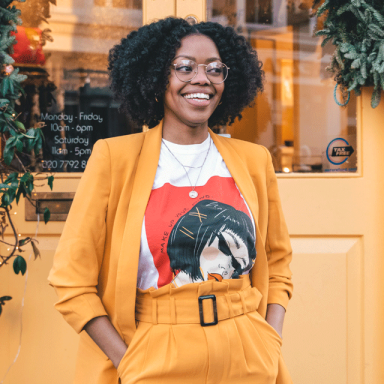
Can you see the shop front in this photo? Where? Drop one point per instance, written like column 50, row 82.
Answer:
column 327, row 159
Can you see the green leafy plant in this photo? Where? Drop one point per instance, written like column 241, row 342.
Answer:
column 19, row 147
column 356, row 28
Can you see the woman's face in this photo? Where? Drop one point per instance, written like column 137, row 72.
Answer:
column 178, row 104
column 213, row 261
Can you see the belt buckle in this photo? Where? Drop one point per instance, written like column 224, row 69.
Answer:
column 201, row 310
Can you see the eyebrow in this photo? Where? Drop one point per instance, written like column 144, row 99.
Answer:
column 194, row 58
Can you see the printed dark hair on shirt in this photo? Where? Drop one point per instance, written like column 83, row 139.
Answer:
column 199, row 228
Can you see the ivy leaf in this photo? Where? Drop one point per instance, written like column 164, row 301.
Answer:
column 47, row 215
column 5, row 86
column 20, row 191
column 8, row 154
column 20, row 125
column 2, row 301
column 19, row 265
column 11, row 177
column 3, row 102
column 5, row 200
column 50, row 181
column 5, row 298
column 27, row 176
column 36, row 251
column 19, row 145
column 38, row 144
column 31, row 139
column 22, row 242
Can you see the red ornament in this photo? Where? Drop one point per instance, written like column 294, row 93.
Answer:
column 28, row 49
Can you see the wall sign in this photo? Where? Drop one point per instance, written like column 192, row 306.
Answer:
column 340, row 155
column 69, row 140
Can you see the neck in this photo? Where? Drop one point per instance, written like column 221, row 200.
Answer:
column 178, row 132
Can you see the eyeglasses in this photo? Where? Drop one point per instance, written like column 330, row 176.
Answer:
column 186, row 71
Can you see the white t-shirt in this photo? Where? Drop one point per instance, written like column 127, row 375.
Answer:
column 187, row 240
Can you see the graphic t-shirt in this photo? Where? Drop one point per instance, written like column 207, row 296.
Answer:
column 188, row 240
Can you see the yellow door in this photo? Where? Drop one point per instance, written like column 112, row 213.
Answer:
column 334, row 329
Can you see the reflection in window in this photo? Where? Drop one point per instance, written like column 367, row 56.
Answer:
column 296, row 117
column 67, row 88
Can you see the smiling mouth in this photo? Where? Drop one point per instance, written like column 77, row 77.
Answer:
column 198, row 96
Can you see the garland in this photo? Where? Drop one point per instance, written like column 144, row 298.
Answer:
column 356, row 28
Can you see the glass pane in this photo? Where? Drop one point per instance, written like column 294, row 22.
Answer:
column 67, row 87
column 296, row 116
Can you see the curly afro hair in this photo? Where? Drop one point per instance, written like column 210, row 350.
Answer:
column 139, row 69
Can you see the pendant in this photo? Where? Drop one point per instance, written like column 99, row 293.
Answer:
column 193, row 194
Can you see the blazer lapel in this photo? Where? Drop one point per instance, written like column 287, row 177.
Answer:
column 239, row 172
column 243, row 180
column 126, row 281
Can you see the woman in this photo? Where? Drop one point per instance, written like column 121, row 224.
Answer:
column 152, row 309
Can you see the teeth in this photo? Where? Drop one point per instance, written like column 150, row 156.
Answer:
column 197, row 96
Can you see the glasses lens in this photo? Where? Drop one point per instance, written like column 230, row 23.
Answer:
column 185, row 70
column 217, row 72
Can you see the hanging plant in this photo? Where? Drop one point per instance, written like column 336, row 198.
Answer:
column 356, row 28
column 20, row 148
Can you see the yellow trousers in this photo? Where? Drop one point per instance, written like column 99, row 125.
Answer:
column 173, row 343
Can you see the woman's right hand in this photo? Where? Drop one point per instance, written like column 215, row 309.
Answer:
column 104, row 334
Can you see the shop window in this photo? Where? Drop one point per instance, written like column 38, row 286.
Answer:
column 67, row 88
column 296, row 116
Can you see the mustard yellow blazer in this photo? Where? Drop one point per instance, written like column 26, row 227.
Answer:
column 96, row 262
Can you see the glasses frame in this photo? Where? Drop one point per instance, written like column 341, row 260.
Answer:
column 205, row 70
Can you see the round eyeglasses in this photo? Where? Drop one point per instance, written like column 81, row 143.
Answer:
column 186, row 71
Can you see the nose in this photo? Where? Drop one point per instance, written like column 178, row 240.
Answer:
column 201, row 76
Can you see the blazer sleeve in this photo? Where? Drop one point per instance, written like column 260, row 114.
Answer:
column 79, row 255
column 278, row 245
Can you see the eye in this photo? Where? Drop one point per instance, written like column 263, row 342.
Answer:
column 215, row 69
column 223, row 246
column 185, row 66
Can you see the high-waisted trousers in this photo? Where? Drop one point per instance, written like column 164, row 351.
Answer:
column 173, row 342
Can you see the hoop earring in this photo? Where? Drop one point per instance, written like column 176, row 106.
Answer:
column 156, row 100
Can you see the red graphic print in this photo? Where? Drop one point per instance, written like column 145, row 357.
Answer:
column 168, row 203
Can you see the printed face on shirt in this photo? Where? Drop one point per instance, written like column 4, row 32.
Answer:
column 178, row 104
column 212, row 241
column 217, row 263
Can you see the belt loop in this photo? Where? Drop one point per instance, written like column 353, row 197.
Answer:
column 229, row 302
column 172, row 309
column 154, row 311
column 243, row 303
